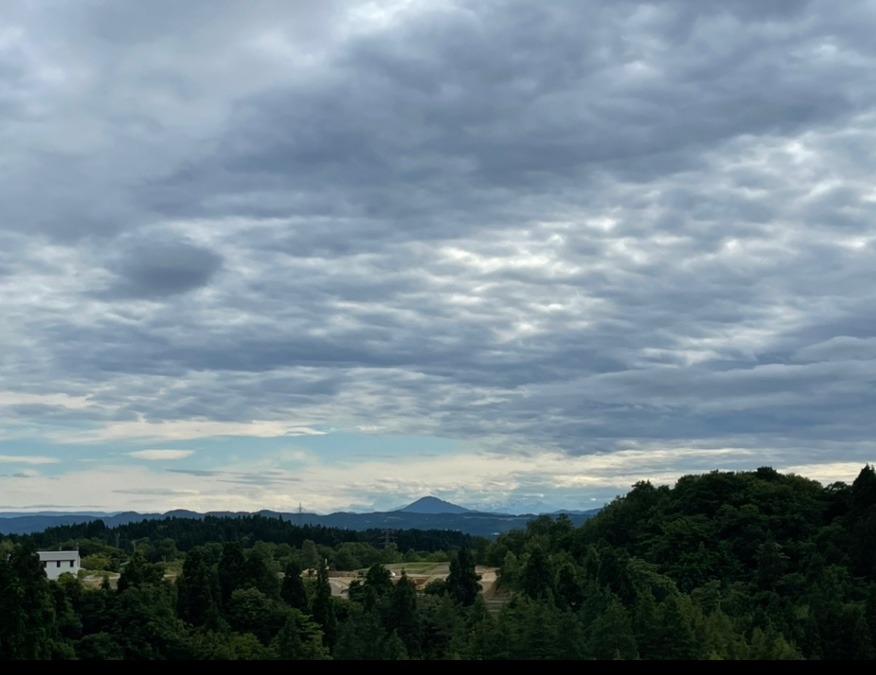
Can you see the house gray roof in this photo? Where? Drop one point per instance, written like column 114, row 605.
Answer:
column 52, row 556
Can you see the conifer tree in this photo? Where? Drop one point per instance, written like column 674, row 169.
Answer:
column 463, row 582
column 292, row 589
column 323, row 609
column 402, row 618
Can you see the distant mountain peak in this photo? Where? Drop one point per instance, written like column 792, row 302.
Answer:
column 432, row 505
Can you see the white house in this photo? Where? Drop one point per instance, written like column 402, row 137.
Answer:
column 56, row 563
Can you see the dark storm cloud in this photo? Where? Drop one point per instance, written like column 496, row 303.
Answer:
column 516, row 96
column 158, row 269
column 104, row 98
column 563, row 224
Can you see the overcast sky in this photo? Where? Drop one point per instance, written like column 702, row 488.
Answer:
column 512, row 254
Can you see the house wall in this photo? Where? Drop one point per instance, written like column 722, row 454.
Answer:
column 55, row 568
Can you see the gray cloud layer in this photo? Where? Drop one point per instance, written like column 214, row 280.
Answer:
column 556, row 225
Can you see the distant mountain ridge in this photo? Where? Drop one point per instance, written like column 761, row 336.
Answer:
column 426, row 513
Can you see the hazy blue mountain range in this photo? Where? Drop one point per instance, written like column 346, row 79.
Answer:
column 426, row 513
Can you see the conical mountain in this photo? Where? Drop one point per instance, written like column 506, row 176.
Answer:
column 432, row 505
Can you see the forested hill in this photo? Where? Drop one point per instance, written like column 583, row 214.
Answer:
column 723, row 565
column 746, row 565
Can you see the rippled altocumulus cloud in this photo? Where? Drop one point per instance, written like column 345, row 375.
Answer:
column 560, row 228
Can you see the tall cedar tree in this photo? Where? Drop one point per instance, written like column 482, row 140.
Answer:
column 292, row 590
column 463, row 583
column 323, row 610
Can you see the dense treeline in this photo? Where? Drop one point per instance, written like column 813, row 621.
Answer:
column 186, row 533
column 747, row 565
column 724, row 565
